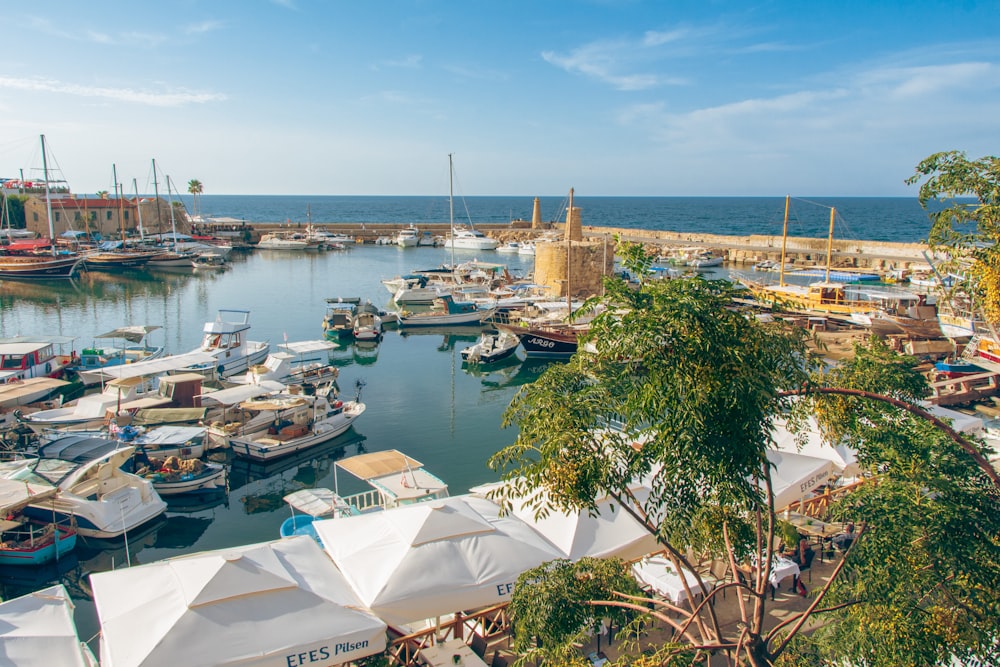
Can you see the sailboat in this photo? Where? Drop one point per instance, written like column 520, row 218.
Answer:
column 39, row 259
column 170, row 258
column 462, row 237
column 828, row 297
column 116, row 255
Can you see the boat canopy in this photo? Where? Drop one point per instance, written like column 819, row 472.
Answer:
column 158, row 366
column 133, row 334
column 317, row 502
column 395, row 475
column 306, row 346
column 244, row 392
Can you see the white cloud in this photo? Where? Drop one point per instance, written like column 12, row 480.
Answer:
column 203, row 27
column 602, row 61
column 159, row 99
column 908, row 82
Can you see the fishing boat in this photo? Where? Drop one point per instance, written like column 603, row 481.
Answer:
column 446, row 312
column 367, row 323
column 24, row 392
column 105, row 501
column 114, row 256
column 130, row 350
column 324, row 421
column 23, row 357
column 25, row 541
column 34, row 259
column 174, row 476
column 491, row 348
column 338, row 322
column 224, row 340
column 395, row 480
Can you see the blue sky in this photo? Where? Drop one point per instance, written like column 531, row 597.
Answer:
column 611, row 97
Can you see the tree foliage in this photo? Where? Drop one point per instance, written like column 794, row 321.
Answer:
column 693, row 388
column 962, row 197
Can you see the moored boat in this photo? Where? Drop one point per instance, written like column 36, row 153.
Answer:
column 175, row 476
column 224, row 340
column 446, row 312
column 490, row 348
column 25, row 541
column 367, row 324
column 550, row 341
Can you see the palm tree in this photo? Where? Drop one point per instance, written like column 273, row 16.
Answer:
column 195, row 188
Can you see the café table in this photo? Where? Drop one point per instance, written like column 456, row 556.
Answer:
column 451, row 653
column 660, row 575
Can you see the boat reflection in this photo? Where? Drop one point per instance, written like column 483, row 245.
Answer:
column 265, row 484
column 519, row 373
column 450, row 336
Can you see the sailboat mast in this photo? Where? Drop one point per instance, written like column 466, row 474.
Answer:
column 829, row 244
column 784, row 243
column 173, row 223
column 119, row 195
column 138, row 209
column 48, row 198
column 451, row 207
column 569, row 263
column 156, row 195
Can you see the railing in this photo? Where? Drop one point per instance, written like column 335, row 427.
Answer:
column 365, row 500
column 818, row 507
column 490, row 624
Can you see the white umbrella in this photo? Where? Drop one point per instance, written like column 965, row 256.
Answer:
column 270, row 604
column 795, row 476
column 433, row 558
column 37, row 630
column 812, row 443
column 612, row 532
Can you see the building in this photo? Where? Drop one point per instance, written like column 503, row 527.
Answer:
column 103, row 216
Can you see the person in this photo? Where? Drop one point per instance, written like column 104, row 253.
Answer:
column 803, row 558
column 844, row 540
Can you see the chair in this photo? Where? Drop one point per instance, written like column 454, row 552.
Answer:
column 810, row 554
column 716, row 575
column 499, row 660
column 478, row 645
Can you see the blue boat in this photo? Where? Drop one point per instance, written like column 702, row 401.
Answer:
column 27, row 541
column 951, row 369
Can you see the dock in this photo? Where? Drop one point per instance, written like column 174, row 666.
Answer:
column 965, row 389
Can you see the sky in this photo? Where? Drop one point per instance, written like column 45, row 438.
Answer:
column 532, row 97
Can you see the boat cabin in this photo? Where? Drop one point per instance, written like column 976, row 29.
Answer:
column 396, row 479
column 23, row 358
column 183, row 389
column 226, row 331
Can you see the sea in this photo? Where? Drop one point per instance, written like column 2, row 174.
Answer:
column 420, row 398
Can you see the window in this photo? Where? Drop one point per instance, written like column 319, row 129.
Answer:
column 108, row 214
column 76, row 216
column 126, row 215
column 35, row 215
column 57, row 216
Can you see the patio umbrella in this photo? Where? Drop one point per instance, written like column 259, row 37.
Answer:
column 37, row 630
column 273, row 603
column 433, row 558
column 612, row 532
column 795, row 476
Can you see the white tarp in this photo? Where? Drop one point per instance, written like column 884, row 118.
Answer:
column 612, row 532
column 811, row 443
column 796, row 476
column 960, row 421
column 244, row 392
column 157, row 366
column 433, row 558
column 37, row 630
column 272, row 604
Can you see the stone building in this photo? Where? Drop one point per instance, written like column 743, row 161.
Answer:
column 573, row 264
column 105, row 216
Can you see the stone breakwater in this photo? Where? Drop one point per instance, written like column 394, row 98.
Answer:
column 847, row 253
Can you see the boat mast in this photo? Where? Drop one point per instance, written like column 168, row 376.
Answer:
column 451, row 207
column 173, row 223
column 569, row 248
column 119, row 195
column 156, row 195
column 829, row 244
column 48, row 198
column 784, row 243
column 138, row 210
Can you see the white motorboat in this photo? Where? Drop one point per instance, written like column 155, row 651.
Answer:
column 277, row 241
column 509, row 247
column 408, row 237
column 466, row 238
column 117, row 396
column 300, row 363
column 224, row 340
column 526, row 248
column 322, row 423
column 705, row 260
column 105, row 501
column 490, row 348
column 367, row 323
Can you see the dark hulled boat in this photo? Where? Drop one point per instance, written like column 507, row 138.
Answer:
column 552, row 342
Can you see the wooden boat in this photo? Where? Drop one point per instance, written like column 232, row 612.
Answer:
column 113, row 256
column 174, row 476
column 446, row 312
column 557, row 341
column 131, row 350
column 23, row 392
column 491, row 348
column 324, row 422
column 339, row 319
column 25, row 541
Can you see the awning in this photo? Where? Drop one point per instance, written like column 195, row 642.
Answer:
column 234, row 395
column 133, row 334
column 157, row 366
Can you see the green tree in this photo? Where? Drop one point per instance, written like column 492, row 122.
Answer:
column 698, row 385
column 14, row 211
column 962, row 198
column 195, row 187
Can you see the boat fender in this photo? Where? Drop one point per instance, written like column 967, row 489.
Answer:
column 338, row 404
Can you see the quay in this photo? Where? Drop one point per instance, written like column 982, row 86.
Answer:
column 804, row 251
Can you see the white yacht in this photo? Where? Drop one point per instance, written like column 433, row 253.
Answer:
column 465, row 238
column 408, row 237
